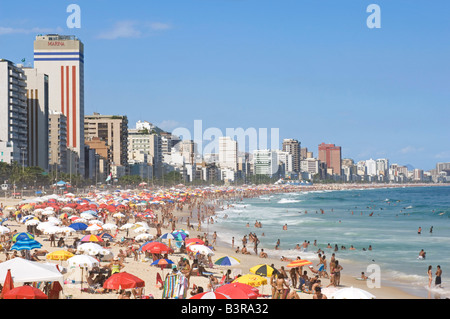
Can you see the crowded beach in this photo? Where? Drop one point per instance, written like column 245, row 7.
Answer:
column 154, row 244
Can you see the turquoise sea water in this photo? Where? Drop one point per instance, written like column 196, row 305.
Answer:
column 392, row 230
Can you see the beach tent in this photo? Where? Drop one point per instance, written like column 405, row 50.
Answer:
column 23, row 270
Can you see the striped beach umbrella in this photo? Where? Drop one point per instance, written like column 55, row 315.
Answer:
column 91, row 238
column 263, row 270
column 21, row 236
column 227, row 261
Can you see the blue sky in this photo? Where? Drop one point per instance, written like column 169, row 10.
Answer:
column 311, row 68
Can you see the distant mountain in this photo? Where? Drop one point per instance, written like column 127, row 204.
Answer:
column 409, row 167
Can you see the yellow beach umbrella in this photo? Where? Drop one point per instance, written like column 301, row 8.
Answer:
column 251, row 280
column 59, row 255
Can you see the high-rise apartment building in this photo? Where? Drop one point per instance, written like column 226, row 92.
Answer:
column 37, row 105
column 143, row 141
column 57, row 143
column 228, row 153
column 330, row 154
column 293, row 147
column 13, row 114
column 111, row 129
column 61, row 57
column 265, row 162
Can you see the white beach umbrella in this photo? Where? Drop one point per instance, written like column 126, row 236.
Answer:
column 32, row 222
column 67, row 230
column 144, row 236
column 96, row 222
column 54, row 220
column 109, row 226
column 87, row 216
column 67, row 209
column 94, row 227
column 4, row 230
column 83, row 261
column 126, row 226
column 44, row 225
column 142, row 229
column 118, row 215
column 90, row 248
column 352, row 293
column 52, row 230
column 201, row 249
column 38, row 211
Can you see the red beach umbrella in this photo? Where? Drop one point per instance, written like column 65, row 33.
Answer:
column 239, row 291
column 123, row 280
column 25, row 292
column 157, row 248
column 210, row 295
column 8, row 284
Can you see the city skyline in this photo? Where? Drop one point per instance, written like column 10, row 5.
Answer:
column 315, row 71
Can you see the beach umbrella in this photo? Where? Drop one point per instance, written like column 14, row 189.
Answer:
column 162, row 263
column 118, row 215
column 90, row 248
column 239, row 291
column 91, row 238
column 20, row 236
column 194, row 241
column 94, row 227
column 352, row 293
column 26, row 244
column 210, row 295
column 32, row 222
column 299, row 263
column 126, row 226
column 67, row 230
column 123, row 280
column 167, row 236
column 144, row 236
column 109, row 226
column 87, row 216
column 25, row 292
column 156, row 248
column 227, row 261
column 263, row 270
column 251, row 280
column 105, row 236
column 201, row 249
column 142, row 229
column 59, row 255
column 8, row 284
column 42, row 226
column 51, row 230
column 84, row 261
column 4, row 230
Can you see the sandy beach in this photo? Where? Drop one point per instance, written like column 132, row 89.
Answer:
column 142, row 269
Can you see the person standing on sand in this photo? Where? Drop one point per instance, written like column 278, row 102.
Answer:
column 430, row 276
column 438, row 280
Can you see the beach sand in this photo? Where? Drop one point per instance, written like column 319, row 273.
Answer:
column 148, row 273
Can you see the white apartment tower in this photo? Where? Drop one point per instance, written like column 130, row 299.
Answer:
column 228, row 153
column 62, row 59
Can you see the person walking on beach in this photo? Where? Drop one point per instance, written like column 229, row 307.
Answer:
column 438, row 281
column 430, row 276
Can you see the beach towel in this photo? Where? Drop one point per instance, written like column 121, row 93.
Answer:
column 175, row 287
column 170, row 287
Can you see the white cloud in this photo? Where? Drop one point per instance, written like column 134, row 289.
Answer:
column 411, row 149
column 36, row 30
column 132, row 29
column 168, row 125
column 122, row 29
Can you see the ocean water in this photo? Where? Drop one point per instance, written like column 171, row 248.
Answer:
column 386, row 219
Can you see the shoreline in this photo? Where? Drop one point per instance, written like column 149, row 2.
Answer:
column 148, row 273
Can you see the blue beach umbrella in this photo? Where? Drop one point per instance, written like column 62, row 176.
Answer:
column 22, row 236
column 26, row 244
column 78, row 226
